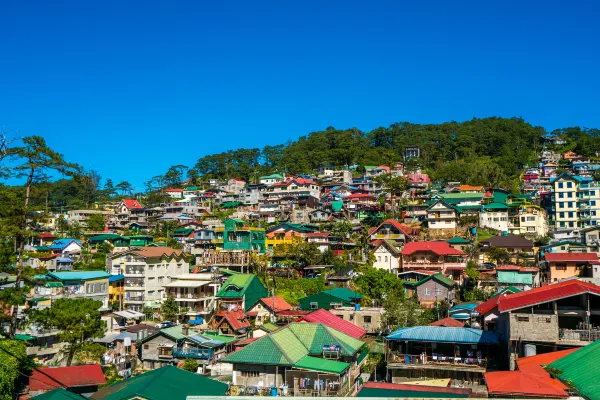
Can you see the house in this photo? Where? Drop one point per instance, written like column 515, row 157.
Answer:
column 321, row 239
column 392, row 230
column 146, row 271
column 240, row 292
column 442, row 219
column 518, row 248
column 564, row 314
column 174, row 193
column 163, row 383
column 320, row 215
column 238, row 235
column 575, row 201
column 494, row 216
column 81, row 216
column 293, row 187
column 405, row 390
column 73, row 284
column 235, row 185
column 369, row 319
column 449, row 322
column 66, row 247
column 332, row 298
column 517, row 276
column 194, row 293
column 434, row 289
column 171, row 345
column 434, row 256
column 270, row 179
column 127, row 205
column 82, row 380
column 579, row 370
column 286, row 233
column 336, row 319
column 268, row 307
column 459, row 243
column 297, row 352
column 387, row 256
column 116, row 284
column 439, row 352
column 567, row 265
column 231, row 323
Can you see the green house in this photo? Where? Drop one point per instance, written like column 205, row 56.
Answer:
column 237, row 235
column 140, row 240
column 242, row 290
column 327, row 299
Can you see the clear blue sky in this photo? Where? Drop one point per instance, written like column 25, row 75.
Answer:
column 129, row 88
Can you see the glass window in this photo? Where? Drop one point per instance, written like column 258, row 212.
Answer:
column 560, row 185
column 561, row 195
column 569, row 185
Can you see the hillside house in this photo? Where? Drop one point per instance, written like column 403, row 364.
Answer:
column 387, row 256
column 442, row 219
column 434, row 256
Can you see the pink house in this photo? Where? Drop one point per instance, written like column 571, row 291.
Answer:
column 434, row 256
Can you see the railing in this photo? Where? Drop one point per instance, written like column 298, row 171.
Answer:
column 189, row 295
column 193, row 353
column 576, row 335
column 440, row 360
column 388, row 236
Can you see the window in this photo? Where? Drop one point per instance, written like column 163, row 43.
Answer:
column 530, row 219
column 522, row 319
column 570, row 194
column 367, row 319
column 379, row 258
column 560, row 185
column 250, row 374
column 438, row 292
column 561, row 267
column 314, row 305
column 426, row 291
column 146, row 347
column 561, row 195
column 386, row 258
column 164, row 351
column 569, row 185
column 570, row 204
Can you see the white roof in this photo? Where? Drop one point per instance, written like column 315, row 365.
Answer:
column 196, row 277
column 128, row 314
column 187, row 284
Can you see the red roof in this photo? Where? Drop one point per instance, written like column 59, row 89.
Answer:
column 327, row 318
column 236, row 319
column 571, row 257
column 47, row 236
column 516, row 268
column 407, row 230
column 293, row 313
column 448, row 322
column 238, row 179
column 415, row 388
column 517, row 383
column 539, row 295
column 439, row 248
column 280, row 303
column 317, row 234
column 299, row 181
column 534, row 365
column 359, row 196
column 131, row 203
column 74, row 376
column 174, row 190
column 385, row 167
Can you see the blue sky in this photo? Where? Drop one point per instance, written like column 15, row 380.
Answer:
column 129, row 88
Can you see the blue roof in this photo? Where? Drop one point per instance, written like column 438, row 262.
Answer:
column 64, row 259
column 114, row 278
column 443, row 334
column 465, row 306
column 580, row 179
column 78, row 275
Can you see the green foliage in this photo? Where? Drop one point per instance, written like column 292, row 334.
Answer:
column 91, row 353
column 472, row 272
column 10, row 366
column 498, row 255
column 111, row 375
column 403, row 312
column 374, row 362
column 298, row 252
column 190, row 365
column 96, row 223
column 293, row 289
column 377, row 283
column 169, row 309
column 469, row 220
column 475, row 294
column 78, row 321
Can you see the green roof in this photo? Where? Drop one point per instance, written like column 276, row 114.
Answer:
column 230, row 204
column 495, row 206
column 344, row 294
column 510, row 289
column 220, row 338
column 183, row 231
column 37, row 299
column 581, row 369
column 270, row 327
column 438, row 277
column 78, row 275
column 288, row 345
column 235, row 285
column 191, row 188
column 42, row 248
column 58, row 394
column 337, row 205
column 53, row 284
column 104, row 237
column 163, row 383
column 461, row 196
column 458, row 240
column 272, row 176
column 431, row 392
column 23, row 337
column 323, row 365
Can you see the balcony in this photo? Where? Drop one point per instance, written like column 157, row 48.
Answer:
column 134, row 272
column 437, row 361
column 202, row 354
column 388, row 236
column 575, row 335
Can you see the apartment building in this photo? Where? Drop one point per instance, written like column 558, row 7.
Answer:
column 195, row 294
column 81, row 216
column 71, row 284
column 146, row 271
column 575, row 202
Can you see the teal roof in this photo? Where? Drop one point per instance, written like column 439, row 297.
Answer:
column 58, row 394
column 443, row 334
column 78, row 275
column 322, row 365
column 461, row 196
column 236, row 285
column 104, row 237
column 288, row 345
column 495, row 206
column 509, row 290
column 272, row 176
column 230, row 204
column 344, row 294
column 458, row 240
column 163, row 383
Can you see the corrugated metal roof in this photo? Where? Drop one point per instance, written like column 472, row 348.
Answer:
column 444, row 334
column 78, row 275
column 323, row 365
column 326, row 317
column 581, row 369
column 519, row 384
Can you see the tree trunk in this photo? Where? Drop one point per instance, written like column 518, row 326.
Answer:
column 70, row 355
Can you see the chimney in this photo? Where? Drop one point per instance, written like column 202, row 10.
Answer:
column 185, row 329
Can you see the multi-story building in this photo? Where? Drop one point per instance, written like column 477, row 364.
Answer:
column 442, row 219
column 434, row 256
column 575, row 202
column 494, row 216
column 81, row 216
column 238, row 235
column 195, row 294
column 73, row 284
column 270, row 179
column 146, row 271
column 530, row 220
column 293, row 187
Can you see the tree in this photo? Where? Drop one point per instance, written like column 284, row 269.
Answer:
column 498, row 255
column 96, row 223
column 190, row 365
column 78, row 322
column 125, row 188
column 13, row 360
column 109, row 188
column 174, row 175
column 169, row 309
column 394, row 186
column 377, row 283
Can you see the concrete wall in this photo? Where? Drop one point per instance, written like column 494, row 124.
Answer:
column 533, row 327
column 149, row 350
column 266, row 375
column 431, row 291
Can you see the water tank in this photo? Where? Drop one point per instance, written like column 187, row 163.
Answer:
column 530, row 350
column 357, row 307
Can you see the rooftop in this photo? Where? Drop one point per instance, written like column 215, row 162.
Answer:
column 327, row 318
column 439, row 248
column 444, row 334
column 74, row 376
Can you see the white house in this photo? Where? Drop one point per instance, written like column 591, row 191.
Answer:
column 387, row 257
column 494, row 216
column 270, row 179
column 442, row 219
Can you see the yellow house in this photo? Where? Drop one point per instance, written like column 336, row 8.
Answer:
column 115, row 291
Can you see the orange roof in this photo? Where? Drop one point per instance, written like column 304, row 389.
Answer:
column 155, row 251
column 470, row 188
column 517, row 383
column 278, row 303
column 236, row 319
column 131, row 203
column 534, row 365
column 448, row 322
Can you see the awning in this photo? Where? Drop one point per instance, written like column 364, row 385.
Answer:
column 128, row 314
column 322, row 365
column 187, row 284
